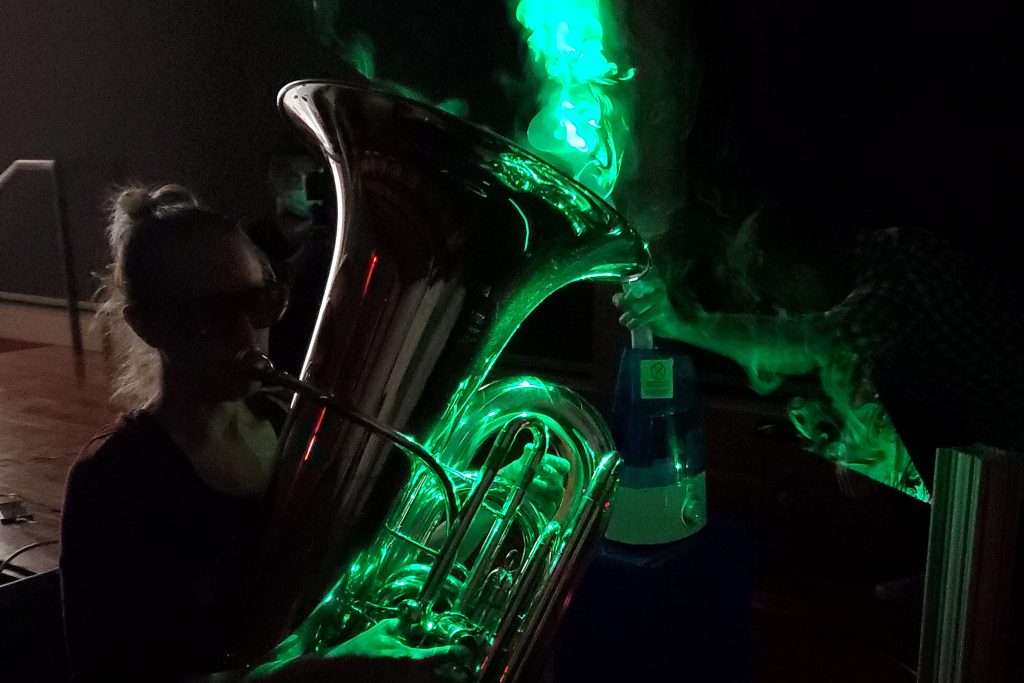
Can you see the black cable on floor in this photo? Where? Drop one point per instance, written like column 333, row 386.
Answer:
column 26, row 548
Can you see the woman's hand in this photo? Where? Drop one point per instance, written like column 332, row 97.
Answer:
column 647, row 304
column 382, row 640
column 375, row 656
column 548, row 485
column 378, row 654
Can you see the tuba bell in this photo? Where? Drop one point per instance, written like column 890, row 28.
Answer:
column 389, row 498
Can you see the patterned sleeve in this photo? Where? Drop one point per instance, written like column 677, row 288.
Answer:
column 940, row 335
column 897, row 271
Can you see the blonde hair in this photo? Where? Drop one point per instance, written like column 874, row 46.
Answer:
column 133, row 210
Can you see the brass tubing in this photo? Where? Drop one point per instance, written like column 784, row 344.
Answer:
column 535, row 566
column 260, row 367
column 500, row 529
column 494, row 461
column 567, row 567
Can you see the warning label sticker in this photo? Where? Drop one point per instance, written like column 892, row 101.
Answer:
column 656, row 378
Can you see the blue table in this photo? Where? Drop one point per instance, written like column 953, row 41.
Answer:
column 676, row 612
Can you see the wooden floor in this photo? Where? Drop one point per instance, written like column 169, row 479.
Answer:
column 50, row 406
column 816, row 617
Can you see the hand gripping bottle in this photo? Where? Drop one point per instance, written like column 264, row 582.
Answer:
column 658, row 424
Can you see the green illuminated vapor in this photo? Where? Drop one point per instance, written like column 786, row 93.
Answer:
column 853, row 428
column 321, row 19
column 580, row 123
column 848, row 424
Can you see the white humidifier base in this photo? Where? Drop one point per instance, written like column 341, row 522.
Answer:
column 662, row 514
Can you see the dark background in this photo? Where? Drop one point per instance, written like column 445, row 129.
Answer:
column 867, row 113
column 116, row 91
column 863, row 114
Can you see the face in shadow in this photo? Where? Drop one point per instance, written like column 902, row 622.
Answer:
column 211, row 297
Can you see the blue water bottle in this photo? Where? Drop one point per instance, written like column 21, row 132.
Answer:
column 658, row 425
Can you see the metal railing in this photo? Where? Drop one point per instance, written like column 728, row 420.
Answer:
column 50, row 167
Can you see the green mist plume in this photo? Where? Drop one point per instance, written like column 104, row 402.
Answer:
column 852, row 428
column 321, row 19
column 843, row 420
column 581, row 124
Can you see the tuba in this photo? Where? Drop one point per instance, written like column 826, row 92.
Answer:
column 391, row 496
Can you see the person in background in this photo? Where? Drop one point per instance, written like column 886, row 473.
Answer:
column 896, row 318
column 299, row 241
column 840, row 211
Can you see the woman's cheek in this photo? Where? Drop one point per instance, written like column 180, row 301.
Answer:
column 262, row 339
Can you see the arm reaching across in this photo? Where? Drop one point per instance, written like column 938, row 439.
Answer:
column 785, row 345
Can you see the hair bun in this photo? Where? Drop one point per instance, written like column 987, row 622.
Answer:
column 139, row 202
column 132, row 205
column 172, row 195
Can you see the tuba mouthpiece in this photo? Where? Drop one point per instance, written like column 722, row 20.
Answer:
column 255, row 363
column 258, row 366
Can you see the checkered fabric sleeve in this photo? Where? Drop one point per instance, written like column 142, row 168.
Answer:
column 939, row 332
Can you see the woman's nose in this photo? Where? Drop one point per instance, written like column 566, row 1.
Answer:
column 250, row 336
column 243, row 334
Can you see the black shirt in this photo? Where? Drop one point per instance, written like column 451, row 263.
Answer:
column 152, row 558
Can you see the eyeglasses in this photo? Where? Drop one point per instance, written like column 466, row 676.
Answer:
column 217, row 314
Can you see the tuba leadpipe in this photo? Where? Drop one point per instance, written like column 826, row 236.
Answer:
column 259, row 366
column 448, row 236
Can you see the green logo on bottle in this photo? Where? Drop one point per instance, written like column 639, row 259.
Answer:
column 656, row 378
